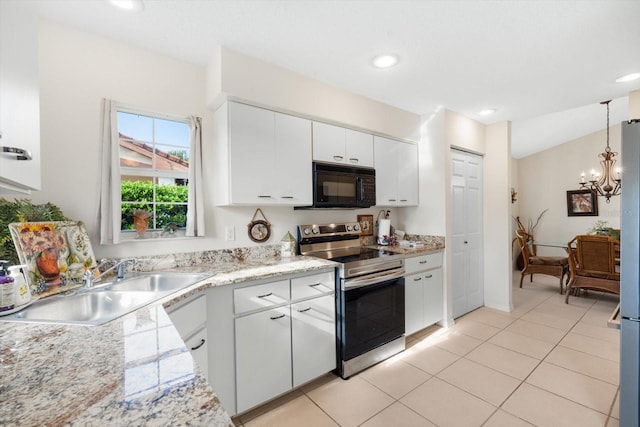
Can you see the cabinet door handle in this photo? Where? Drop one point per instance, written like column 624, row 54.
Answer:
column 338, row 157
column 392, row 200
column 265, row 295
column 417, row 279
column 287, row 197
column 354, row 159
column 264, row 197
column 429, row 276
column 403, row 200
column 199, row 345
column 304, row 309
column 277, row 317
column 20, row 153
column 423, row 262
column 315, row 284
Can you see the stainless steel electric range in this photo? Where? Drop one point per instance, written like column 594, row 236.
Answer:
column 370, row 295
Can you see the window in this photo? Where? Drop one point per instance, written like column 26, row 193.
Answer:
column 154, row 172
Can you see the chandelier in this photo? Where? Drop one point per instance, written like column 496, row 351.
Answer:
column 605, row 184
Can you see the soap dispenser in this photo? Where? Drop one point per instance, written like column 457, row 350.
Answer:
column 7, row 293
column 22, row 293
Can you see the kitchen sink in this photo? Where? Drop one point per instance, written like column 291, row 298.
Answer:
column 87, row 308
column 106, row 301
column 156, row 282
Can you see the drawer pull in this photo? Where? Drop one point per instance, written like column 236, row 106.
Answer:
column 423, row 262
column 264, row 196
column 354, row 159
column 338, row 157
column 304, row 309
column 199, row 345
column 417, row 279
column 287, row 197
column 277, row 317
column 265, row 295
column 315, row 284
column 429, row 276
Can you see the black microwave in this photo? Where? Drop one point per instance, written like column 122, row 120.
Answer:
column 338, row 186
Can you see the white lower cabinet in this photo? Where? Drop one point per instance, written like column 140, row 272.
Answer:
column 313, row 338
column 190, row 319
column 197, row 345
column 270, row 337
column 263, row 356
column 423, row 292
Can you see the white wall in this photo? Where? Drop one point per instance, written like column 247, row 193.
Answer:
column 497, row 216
column 493, row 143
column 78, row 69
column 545, row 177
column 260, row 82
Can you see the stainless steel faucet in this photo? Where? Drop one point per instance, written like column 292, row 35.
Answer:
column 89, row 280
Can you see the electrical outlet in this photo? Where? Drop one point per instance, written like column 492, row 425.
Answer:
column 229, row 233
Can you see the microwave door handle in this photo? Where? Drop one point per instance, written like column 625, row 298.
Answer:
column 360, row 184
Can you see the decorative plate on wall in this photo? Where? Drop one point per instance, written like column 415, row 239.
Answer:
column 56, row 254
column 259, row 230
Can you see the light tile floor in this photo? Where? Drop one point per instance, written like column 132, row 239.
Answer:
column 544, row 364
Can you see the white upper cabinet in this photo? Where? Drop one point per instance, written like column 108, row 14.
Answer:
column 19, row 101
column 257, row 153
column 396, row 166
column 335, row 144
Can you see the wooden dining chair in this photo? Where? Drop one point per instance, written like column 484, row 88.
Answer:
column 592, row 264
column 533, row 264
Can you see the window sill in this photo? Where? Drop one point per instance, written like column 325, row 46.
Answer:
column 153, row 236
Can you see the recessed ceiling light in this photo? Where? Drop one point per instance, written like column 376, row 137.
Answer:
column 130, row 5
column 487, row 111
column 628, row 78
column 385, row 60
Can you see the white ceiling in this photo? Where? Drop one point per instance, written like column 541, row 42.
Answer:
column 544, row 65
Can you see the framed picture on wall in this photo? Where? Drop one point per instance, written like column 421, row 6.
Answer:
column 582, row 203
column 366, row 224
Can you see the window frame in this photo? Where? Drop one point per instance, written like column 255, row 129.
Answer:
column 153, row 173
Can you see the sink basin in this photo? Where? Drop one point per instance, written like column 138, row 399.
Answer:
column 156, row 282
column 88, row 308
column 106, row 301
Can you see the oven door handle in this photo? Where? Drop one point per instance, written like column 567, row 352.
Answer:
column 371, row 279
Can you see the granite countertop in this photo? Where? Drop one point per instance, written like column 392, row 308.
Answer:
column 134, row 370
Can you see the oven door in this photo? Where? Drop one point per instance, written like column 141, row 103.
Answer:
column 371, row 313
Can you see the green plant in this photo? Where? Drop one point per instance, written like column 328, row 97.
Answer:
column 170, row 206
column 602, row 227
column 22, row 210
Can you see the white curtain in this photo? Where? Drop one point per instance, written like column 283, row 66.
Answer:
column 195, row 205
column 109, row 184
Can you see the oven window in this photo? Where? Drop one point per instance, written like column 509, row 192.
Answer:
column 373, row 315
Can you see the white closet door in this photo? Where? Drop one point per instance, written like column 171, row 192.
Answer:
column 467, row 255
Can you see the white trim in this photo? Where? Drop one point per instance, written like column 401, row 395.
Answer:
column 148, row 113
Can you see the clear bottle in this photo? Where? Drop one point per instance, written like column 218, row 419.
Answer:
column 7, row 290
column 22, row 292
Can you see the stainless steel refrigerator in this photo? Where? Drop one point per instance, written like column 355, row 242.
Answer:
column 630, row 276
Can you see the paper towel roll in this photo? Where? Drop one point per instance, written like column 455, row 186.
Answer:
column 384, row 228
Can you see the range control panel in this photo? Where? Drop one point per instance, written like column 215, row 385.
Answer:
column 328, row 230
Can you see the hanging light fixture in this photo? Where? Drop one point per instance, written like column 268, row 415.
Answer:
column 605, row 184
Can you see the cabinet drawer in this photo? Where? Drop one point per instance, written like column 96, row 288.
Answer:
column 423, row 262
column 190, row 316
column 311, row 286
column 260, row 296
